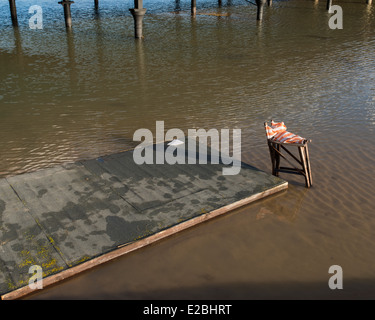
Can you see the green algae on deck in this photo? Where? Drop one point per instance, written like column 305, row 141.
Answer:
column 22, row 243
column 66, row 216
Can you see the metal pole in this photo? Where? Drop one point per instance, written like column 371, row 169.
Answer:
column 193, row 7
column 260, row 6
column 138, row 13
column 67, row 13
column 138, row 4
column 13, row 12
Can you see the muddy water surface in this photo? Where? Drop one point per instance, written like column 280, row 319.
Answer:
column 69, row 96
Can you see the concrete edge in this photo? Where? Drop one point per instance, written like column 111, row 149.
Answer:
column 127, row 248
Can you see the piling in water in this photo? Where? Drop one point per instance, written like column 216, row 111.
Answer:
column 67, row 13
column 13, row 12
column 138, row 13
column 193, row 7
column 260, row 6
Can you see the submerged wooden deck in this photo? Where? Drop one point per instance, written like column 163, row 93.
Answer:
column 70, row 218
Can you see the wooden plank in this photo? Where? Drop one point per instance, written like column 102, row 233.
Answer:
column 16, row 294
column 97, row 212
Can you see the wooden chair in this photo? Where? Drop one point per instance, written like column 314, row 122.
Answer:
column 276, row 147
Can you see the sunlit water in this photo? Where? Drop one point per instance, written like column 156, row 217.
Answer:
column 70, row 96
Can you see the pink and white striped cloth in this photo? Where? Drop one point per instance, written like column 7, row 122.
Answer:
column 277, row 132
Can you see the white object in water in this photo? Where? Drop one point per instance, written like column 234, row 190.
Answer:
column 175, row 142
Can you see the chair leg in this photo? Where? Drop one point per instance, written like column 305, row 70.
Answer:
column 308, row 164
column 277, row 160
column 303, row 160
column 272, row 155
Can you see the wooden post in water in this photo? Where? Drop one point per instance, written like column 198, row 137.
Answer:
column 193, row 7
column 138, row 13
column 13, row 12
column 269, row 2
column 67, row 13
column 329, row 4
column 260, row 5
column 369, row 1
column 96, row 4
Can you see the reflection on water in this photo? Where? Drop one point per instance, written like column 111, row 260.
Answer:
column 74, row 95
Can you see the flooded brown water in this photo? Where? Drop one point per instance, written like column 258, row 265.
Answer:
column 65, row 97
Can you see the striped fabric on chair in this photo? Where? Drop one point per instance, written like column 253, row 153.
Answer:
column 277, row 133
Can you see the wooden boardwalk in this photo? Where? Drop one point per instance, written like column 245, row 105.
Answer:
column 70, row 218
